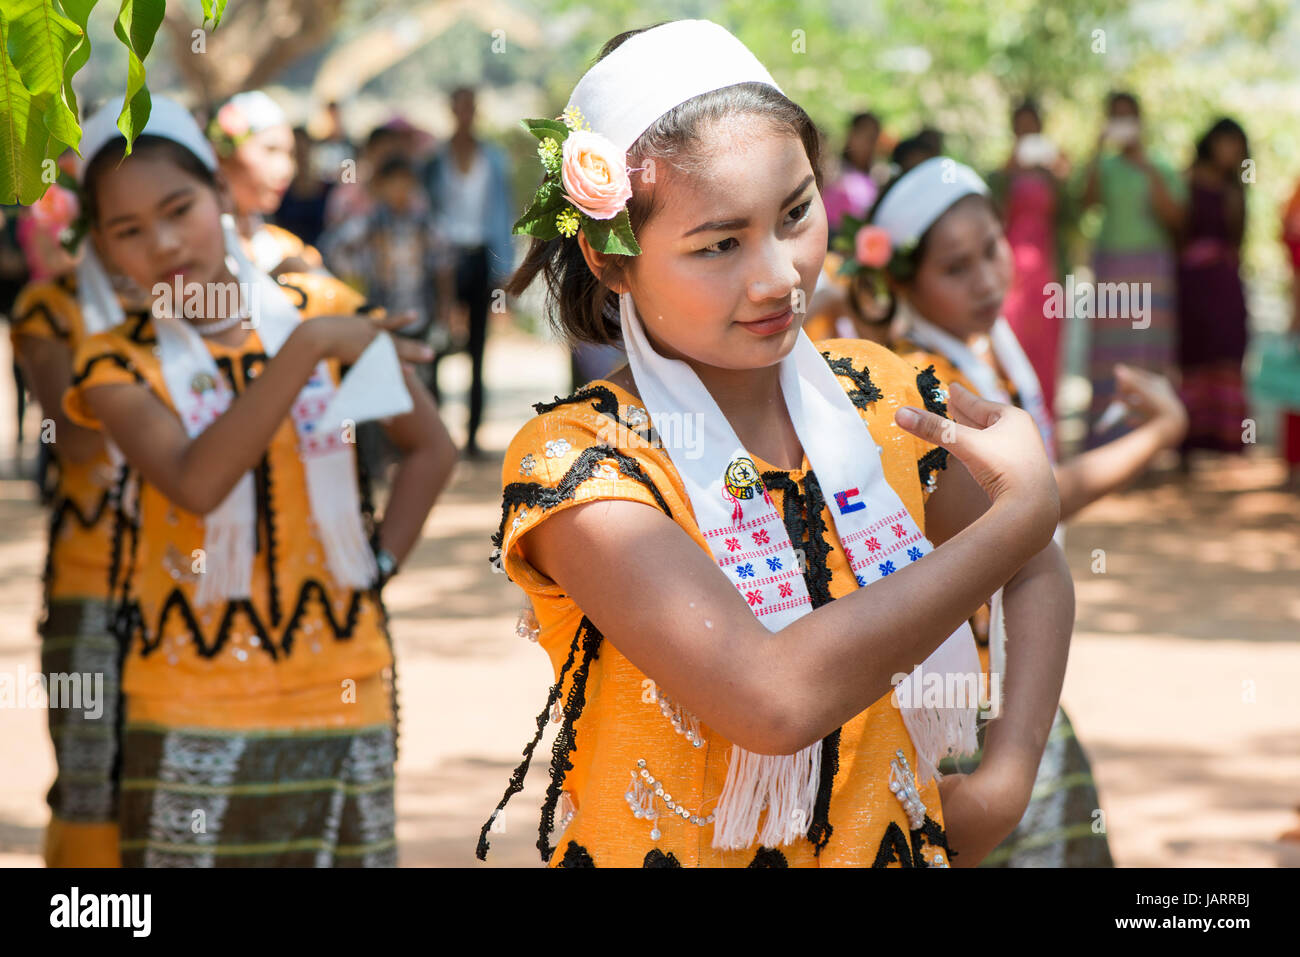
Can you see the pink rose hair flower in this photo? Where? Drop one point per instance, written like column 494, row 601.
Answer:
column 871, row 247
column 232, row 121
column 594, row 174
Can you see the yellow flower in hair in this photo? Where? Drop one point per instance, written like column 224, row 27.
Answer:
column 567, row 222
column 573, row 118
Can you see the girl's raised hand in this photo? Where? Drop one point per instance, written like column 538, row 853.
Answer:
column 1153, row 399
column 346, row 337
column 1000, row 447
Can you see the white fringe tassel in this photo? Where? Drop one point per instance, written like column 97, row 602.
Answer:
column 332, row 488
column 785, row 784
column 228, row 546
column 938, row 733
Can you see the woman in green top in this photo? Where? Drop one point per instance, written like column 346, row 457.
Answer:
column 1143, row 201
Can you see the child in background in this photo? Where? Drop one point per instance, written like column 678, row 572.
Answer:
column 259, row 717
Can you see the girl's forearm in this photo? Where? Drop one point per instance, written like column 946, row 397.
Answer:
column 221, row 454
column 1038, row 604
column 417, row 482
column 843, row 656
column 1087, row 477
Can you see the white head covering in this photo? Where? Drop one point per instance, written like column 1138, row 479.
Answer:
column 620, row 97
column 654, row 71
column 922, row 195
column 100, row 307
column 261, row 112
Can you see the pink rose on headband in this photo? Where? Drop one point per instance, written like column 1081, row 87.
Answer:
column 871, row 247
column 232, row 121
column 594, row 174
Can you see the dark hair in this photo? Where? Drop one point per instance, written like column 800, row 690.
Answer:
column 1027, row 105
column 585, row 309
column 1122, row 96
column 913, row 150
column 1224, row 126
column 147, row 145
column 860, row 119
column 393, row 166
column 904, row 266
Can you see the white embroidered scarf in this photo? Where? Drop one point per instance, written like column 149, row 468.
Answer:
column 752, row 548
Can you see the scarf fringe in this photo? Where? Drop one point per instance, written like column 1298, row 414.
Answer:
column 783, row 784
column 228, row 547
column 938, row 733
column 332, row 489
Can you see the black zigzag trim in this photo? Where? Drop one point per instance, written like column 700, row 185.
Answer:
column 575, row 855
column 61, row 332
column 657, row 858
column 768, row 857
column 114, row 358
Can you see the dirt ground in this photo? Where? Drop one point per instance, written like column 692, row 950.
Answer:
column 1183, row 679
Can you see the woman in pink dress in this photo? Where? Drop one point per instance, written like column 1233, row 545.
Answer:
column 1028, row 189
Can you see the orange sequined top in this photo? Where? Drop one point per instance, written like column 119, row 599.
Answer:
column 614, row 725
column 288, row 246
column 301, row 634
column 82, row 514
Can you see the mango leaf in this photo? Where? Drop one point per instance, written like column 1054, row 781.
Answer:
column 212, row 10
column 544, row 129
column 24, row 139
column 539, row 219
column 78, row 12
column 43, row 38
column 612, row 236
column 136, row 26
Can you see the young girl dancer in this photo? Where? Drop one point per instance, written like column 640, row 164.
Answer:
column 749, row 522
column 259, row 723
column 950, row 271
column 255, row 149
column 75, row 627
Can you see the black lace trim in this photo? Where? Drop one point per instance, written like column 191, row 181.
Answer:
column 657, row 858
column 934, row 835
column 566, row 738
column 63, row 508
column 802, row 517
column 769, row 857
column 517, row 778
column 927, row 382
column 820, row 830
column 894, row 846
column 864, row 391
column 606, row 403
column 575, row 855
column 534, row 493
column 936, row 458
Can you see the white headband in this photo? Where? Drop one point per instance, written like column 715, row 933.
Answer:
column 259, row 110
column 922, row 195
column 652, row 72
column 167, row 119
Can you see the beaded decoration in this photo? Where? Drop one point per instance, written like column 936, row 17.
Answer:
column 902, row 782
column 642, row 794
column 683, row 722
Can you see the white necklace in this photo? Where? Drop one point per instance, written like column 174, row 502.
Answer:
column 219, row 326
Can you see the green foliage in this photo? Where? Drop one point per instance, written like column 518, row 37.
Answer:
column 44, row 45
